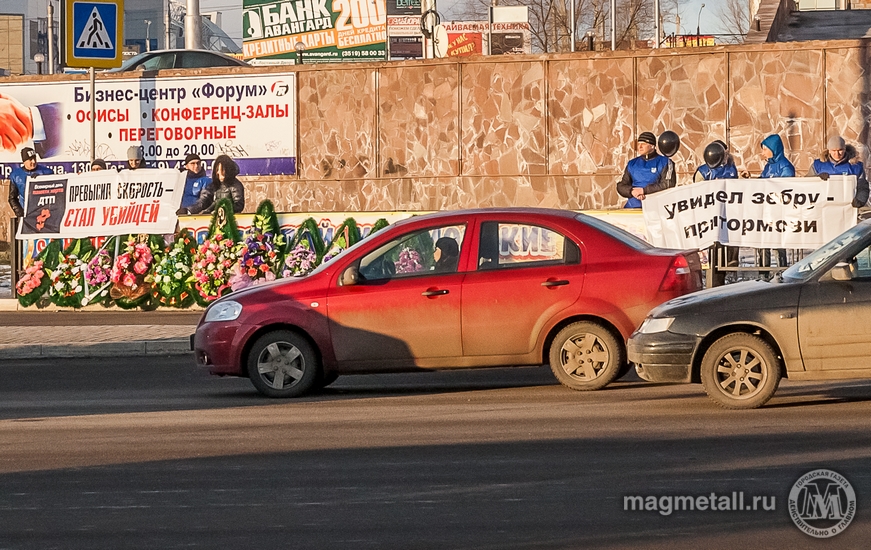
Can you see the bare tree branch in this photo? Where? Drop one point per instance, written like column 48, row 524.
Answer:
column 734, row 18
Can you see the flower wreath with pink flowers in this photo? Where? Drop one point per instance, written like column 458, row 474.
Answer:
column 131, row 273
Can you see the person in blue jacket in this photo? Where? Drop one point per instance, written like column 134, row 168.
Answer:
column 718, row 164
column 776, row 166
column 840, row 159
column 195, row 180
column 647, row 173
column 18, row 179
column 776, row 163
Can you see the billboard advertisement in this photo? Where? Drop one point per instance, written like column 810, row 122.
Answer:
column 338, row 31
column 467, row 38
column 252, row 120
column 403, row 7
column 406, row 39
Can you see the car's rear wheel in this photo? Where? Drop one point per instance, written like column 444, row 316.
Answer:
column 282, row 364
column 586, row 356
column 740, row 371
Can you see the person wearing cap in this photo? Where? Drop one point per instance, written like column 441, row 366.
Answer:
column 645, row 174
column 134, row 158
column 225, row 185
column 97, row 165
column 195, row 181
column 840, row 159
column 18, row 179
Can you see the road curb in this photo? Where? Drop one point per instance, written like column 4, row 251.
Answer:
column 132, row 348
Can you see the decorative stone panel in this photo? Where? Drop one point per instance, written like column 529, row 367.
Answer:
column 503, row 118
column 418, row 120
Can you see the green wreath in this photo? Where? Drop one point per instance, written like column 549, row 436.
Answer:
column 39, row 270
column 172, row 286
column 216, row 257
column 139, row 294
column 67, row 287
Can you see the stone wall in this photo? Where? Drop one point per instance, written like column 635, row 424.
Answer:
column 553, row 130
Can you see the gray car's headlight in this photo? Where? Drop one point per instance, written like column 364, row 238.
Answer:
column 224, row 311
column 651, row 325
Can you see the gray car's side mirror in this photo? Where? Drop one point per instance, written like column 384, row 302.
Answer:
column 842, row 271
column 350, row 276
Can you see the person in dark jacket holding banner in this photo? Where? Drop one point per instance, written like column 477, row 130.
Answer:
column 840, row 159
column 719, row 166
column 195, row 180
column 224, row 185
column 647, row 173
column 18, row 179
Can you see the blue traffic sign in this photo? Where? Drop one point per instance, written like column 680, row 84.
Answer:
column 94, row 33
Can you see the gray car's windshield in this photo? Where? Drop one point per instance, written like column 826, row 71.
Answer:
column 808, row 266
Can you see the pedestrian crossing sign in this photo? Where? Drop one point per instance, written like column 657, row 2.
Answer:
column 95, row 31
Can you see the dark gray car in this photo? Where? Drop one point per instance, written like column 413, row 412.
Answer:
column 812, row 322
column 178, row 59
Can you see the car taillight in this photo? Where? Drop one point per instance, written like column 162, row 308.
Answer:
column 679, row 275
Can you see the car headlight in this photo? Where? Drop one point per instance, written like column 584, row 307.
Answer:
column 224, row 311
column 651, row 325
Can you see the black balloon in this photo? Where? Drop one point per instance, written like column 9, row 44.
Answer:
column 715, row 154
column 669, row 143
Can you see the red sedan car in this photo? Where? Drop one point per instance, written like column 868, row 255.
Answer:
column 475, row 288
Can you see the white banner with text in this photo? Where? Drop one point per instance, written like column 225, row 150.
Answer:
column 762, row 213
column 101, row 203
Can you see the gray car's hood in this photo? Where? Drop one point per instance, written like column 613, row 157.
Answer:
column 733, row 297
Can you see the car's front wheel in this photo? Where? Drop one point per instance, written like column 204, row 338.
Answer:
column 283, row 364
column 740, row 371
column 586, row 356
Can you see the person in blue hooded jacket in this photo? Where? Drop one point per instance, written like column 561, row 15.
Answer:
column 842, row 159
column 776, row 166
column 647, row 173
column 776, row 163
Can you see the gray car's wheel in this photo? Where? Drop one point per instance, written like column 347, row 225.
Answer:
column 740, row 371
column 282, row 364
column 586, row 356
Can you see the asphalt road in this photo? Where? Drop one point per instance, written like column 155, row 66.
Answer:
column 154, row 454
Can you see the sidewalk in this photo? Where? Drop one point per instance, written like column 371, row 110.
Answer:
column 33, row 334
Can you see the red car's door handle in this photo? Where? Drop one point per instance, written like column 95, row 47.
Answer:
column 434, row 292
column 555, row 283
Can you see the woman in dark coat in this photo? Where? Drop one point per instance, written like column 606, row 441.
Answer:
column 224, row 185
column 446, row 255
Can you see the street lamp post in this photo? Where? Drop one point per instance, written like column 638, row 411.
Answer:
column 300, row 49
column 698, row 27
column 147, row 35
column 39, row 58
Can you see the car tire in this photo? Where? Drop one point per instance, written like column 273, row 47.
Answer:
column 586, row 356
column 740, row 371
column 283, row 364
